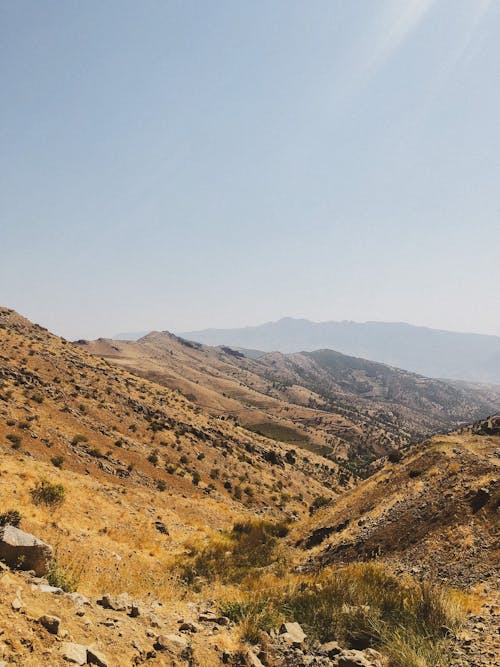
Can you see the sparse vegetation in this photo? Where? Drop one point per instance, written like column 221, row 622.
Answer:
column 11, row 518
column 48, row 493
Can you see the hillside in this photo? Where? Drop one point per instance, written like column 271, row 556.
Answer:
column 434, row 511
column 343, row 407
column 430, row 352
column 182, row 540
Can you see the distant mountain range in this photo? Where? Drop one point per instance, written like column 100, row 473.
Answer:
column 430, row 352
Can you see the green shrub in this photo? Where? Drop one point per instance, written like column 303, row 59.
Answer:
column 249, row 546
column 63, row 577
column 57, row 461
column 48, row 493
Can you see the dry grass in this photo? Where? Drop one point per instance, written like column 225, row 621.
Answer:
column 361, row 605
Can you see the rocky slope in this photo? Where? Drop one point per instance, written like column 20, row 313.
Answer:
column 175, row 564
column 340, row 406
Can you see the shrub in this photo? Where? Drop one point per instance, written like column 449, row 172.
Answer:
column 79, row 438
column 394, row 456
column 10, row 518
column 249, row 546
column 318, row 502
column 153, row 457
column 15, row 440
column 57, row 461
column 48, row 493
column 196, row 478
column 63, row 577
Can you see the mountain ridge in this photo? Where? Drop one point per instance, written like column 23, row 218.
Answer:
column 436, row 353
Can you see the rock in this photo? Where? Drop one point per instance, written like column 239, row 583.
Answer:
column 161, row 527
column 24, row 551
column 252, row 660
column 50, row 623
column 74, row 653
column 79, row 599
column 292, row 633
column 353, row 658
column 189, row 627
column 45, row 588
column 17, row 604
column 173, row 643
column 122, row 602
column 331, row 649
column 95, row 657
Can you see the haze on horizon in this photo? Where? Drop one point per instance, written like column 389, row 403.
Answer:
column 182, row 166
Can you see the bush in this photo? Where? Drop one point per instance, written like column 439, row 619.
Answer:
column 15, row 440
column 63, row 577
column 48, row 493
column 79, row 438
column 318, row 502
column 10, row 518
column 394, row 456
column 57, row 461
column 153, row 457
column 250, row 545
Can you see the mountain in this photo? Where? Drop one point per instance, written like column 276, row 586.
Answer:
column 181, row 539
column 430, row 352
column 344, row 407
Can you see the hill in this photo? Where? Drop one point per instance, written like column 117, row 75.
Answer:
column 433, row 511
column 430, row 352
column 182, row 540
column 343, row 407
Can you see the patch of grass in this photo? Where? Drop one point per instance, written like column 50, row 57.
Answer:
column 278, row 432
column 63, row 576
column 232, row 556
column 360, row 605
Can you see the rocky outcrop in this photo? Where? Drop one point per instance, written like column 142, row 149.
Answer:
column 24, row 551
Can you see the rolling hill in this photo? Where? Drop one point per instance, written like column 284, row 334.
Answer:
column 344, row 407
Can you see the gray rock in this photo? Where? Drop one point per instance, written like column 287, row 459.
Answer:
column 45, row 588
column 292, row 633
column 331, row 649
column 74, row 653
column 24, row 551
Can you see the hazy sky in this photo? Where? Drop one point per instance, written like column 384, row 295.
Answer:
column 178, row 165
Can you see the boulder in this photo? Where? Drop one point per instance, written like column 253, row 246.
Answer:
column 50, row 623
column 173, row 643
column 24, row 551
column 95, row 657
column 292, row 633
column 76, row 654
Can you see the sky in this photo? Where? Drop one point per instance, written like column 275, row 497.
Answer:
column 181, row 165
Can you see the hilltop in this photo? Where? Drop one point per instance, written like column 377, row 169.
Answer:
column 346, row 408
column 430, row 352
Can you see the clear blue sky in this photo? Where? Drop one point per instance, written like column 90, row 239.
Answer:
column 178, row 165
